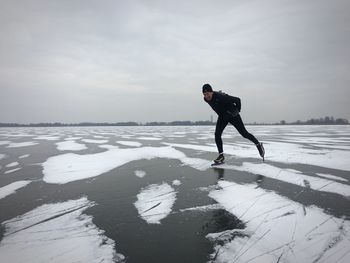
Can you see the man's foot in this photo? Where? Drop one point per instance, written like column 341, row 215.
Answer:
column 219, row 159
column 261, row 150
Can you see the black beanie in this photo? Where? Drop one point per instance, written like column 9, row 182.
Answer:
column 206, row 88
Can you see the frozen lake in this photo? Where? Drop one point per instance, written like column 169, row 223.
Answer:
column 148, row 194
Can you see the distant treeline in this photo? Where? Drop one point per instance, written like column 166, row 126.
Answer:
column 59, row 124
column 179, row 123
column 320, row 121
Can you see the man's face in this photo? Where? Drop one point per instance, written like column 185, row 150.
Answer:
column 208, row 95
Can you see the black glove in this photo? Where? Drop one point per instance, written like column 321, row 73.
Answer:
column 231, row 114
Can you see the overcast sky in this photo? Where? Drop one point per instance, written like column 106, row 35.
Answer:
column 82, row 60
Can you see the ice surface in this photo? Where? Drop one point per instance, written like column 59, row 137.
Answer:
column 21, row 144
column 130, row 143
column 57, row 232
column 194, row 147
column 72, row 138
column 24, row 156
column 70, row 167
column 315, row 183
column 94, row 141
column 100, row 137
column 70, row 146
column 126, row 136
column 277, row 229
column 295, row 153
column 108, row 147
column 17, row 135
column 293, row 171
column 47, row 138
column 316, row 141
column 155, row 202
column 11, row 188
column 140, row 174
column 342, row 147
column 282, row 152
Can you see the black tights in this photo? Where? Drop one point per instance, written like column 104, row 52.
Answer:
column 238, row 124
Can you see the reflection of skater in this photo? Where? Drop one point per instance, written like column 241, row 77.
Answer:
column 259, row 180
column 228, row 108
column 220, row 172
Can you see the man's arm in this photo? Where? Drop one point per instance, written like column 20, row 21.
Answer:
column 233, row 100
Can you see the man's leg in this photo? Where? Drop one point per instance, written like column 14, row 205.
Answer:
column 239, row 125
column 220, row 126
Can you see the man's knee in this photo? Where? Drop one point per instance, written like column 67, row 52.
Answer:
column 218, row 134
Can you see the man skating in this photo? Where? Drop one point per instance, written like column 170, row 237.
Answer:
column 228, row 108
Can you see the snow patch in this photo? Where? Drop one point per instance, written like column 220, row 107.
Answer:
column 13, row 164
column 155, row 202
column 12, row 170
column 21, row 144
column 100, row 137
column 176, row 182
column 318, row 184
column 57, row 232
column 72, row 138
column 140, row 174
column 48, row 138
column 277, row 229
column 332, row 177
column 108, row 147
column 203, row 208
column 150, row 138
column 70, row 167
column 282, row 152
column 70, row 146
column 12, row 188
column 130, row 143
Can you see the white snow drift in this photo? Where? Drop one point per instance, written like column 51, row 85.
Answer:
column 70, row 167
column 130, row 143
column 154, row 202
column 70, row 146
column 282, row 152
column 21, row 144
column 277, row 229
column 12, row 188
column 140, row 173
column 297, row 178
column 57, row 232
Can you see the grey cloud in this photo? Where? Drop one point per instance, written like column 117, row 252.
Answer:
column 120, row 60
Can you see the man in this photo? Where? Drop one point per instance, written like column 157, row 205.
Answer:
column 228, row 108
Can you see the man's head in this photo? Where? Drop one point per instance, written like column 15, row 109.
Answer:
column 207, row 92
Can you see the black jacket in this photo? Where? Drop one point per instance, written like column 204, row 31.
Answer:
column 224, row 105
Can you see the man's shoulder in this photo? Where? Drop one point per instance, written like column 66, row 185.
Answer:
column 220, row 94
